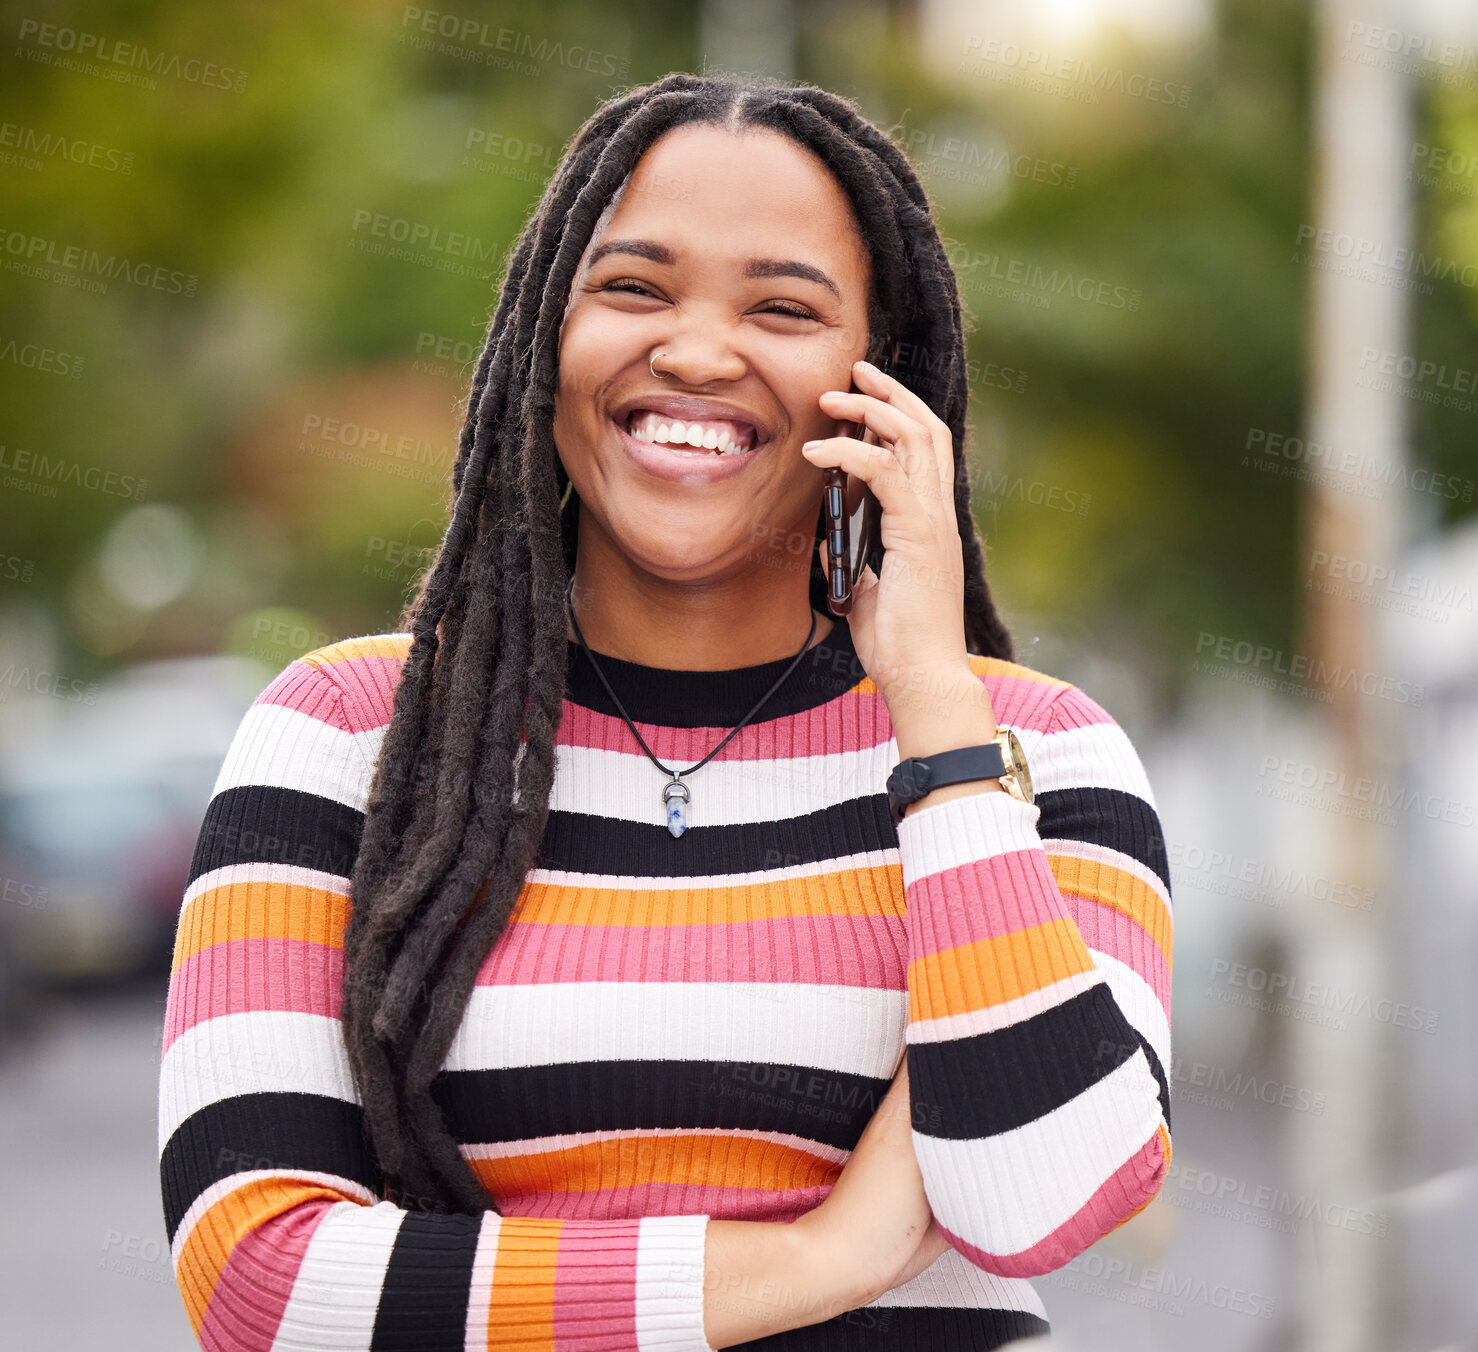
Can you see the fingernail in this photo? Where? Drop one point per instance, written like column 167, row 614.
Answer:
column 867, row 365
column 809, row 445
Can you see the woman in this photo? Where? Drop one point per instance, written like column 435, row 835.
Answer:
column 651, row 1027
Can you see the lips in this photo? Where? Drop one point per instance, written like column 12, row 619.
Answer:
column 748, row 428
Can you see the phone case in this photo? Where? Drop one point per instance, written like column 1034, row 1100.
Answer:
column 853, row 520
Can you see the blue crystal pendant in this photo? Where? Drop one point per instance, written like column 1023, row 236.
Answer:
column 676, row 797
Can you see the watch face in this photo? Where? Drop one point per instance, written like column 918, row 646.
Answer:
column 1017, row 758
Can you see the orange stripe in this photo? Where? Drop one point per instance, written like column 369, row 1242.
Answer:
column 991, row 971
column 703, row 1158
column 260, row 909
column 521, row 1303
column 1164, row 1146
column 372, row 645
column 1118, row 888
column 226, row 1223
column 874, row 890
column 999, row 666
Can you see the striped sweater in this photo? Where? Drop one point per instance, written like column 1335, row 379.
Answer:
column 674, row 1029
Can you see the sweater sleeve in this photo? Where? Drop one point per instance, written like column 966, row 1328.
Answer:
column 1038, row 1029
column 279, row 1234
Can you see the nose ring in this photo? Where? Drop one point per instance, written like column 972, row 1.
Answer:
column 655, row 374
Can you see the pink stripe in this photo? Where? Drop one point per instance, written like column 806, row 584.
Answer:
column 1020, row 701
column 837, row 950
column 1131, row 1185
column 252, row 1291
column 667, row 1199
column 1079, row 710
column 244, row 976
column 368, row 685
column 1110, row 931
column 595, row 1288
column 981, row 899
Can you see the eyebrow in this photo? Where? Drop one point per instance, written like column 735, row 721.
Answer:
column 756, row 267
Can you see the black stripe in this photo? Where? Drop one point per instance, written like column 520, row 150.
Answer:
column 262, row 1131
column 423, row 1303
column 1149, row 1053
column 528, row 1101
column 267, row 824
column 993, row 1082
column 1108, row 817
column 587, row 844
column 905, row 1328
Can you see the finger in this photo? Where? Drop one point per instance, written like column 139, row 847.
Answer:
column 878, row 467
column 873, row 380
column 910, row 440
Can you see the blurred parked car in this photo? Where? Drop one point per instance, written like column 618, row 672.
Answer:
column 100, row 805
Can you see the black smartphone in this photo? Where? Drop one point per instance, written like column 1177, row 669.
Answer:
column 853, row 526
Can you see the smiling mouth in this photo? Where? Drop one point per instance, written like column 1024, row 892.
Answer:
column 700, row 436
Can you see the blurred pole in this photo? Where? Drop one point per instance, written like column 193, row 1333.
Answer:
column 1361, row 139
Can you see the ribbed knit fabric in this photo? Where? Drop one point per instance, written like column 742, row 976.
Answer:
column 673, row 1030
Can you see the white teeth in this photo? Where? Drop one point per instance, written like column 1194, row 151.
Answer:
column 693, row 438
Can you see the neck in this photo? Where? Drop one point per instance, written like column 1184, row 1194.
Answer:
column 758, row 615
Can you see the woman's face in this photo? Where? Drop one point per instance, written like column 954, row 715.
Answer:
column 738, row 259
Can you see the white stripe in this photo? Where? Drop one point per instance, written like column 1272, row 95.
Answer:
column 952, row 1281
column 480, row 1291
column 207, row 1197
column 540, row 1145
column 1098, row 755
column 1111, row 858
column 336, row 1295
column 669, row 1283
column 847, row 1028
column 948, row 1027
column 259, row 874
column 618, row 882
column 273, row 1051
column 293, row 750
column 1006, row 1192
column 1136, row 999
column 965, row 830
column 626, row 786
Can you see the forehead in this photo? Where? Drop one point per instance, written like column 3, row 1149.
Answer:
column 718, row 197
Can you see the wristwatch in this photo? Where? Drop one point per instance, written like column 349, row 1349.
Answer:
column 1001, row 758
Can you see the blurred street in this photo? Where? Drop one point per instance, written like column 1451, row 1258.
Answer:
column 83, row 1252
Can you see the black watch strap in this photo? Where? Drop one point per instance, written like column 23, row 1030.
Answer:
column 918, row 776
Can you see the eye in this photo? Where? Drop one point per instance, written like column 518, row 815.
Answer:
column 626, row 284
column 786, row 308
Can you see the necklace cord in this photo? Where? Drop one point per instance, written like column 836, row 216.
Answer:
column 677, row 774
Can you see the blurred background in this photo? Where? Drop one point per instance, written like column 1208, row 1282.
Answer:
column 1220, row 261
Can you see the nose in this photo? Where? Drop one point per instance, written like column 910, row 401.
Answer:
column 698, row 355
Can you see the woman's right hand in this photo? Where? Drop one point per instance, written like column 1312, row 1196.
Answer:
column 875, row 1225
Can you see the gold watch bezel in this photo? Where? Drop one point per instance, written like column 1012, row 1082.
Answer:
column 1017, row 781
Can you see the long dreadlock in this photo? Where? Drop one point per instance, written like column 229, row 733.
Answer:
column 460, row 794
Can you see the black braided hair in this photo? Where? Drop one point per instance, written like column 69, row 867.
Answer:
column 445, row 846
